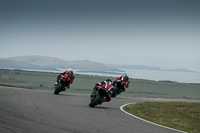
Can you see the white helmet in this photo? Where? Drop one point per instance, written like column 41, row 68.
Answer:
column 69, row 69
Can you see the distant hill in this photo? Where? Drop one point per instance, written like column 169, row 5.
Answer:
column 49, row 63
column 139, row 67
column 179, row 70
column 136, row 67
column 7, row 63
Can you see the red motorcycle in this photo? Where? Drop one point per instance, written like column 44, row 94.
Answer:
column 99, row 97
column 62, row 85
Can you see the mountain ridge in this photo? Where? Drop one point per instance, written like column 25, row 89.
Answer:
column 145, row 67
column 51, row 63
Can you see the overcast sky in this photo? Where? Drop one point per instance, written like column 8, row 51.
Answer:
column 163, row 33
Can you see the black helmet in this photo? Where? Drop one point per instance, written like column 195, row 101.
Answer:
column 109, row 80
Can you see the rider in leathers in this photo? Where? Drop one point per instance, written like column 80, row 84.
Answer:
column 69, row 75
column 122, row 83
column 104, row 84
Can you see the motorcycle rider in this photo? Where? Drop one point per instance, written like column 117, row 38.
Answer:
column 122, row 83
column 68, row 74
column 103, row 84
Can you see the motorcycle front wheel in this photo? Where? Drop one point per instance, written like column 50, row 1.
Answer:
column 95, row 101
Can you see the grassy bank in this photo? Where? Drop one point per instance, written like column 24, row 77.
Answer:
column 181, row 116
column 85, row 83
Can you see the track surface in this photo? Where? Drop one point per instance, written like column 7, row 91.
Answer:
column 36, row 111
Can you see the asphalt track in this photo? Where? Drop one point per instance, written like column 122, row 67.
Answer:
column 37, row 111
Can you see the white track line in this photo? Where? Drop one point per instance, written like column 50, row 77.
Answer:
column 148, row 121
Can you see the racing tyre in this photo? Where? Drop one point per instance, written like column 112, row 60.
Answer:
column 115, row 89
column 58, row 89
column 95, row 101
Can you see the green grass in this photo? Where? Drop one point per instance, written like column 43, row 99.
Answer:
column 164, row 89
column 178, row 115
column 46, row 80
column 27, row 79
column 85, row 83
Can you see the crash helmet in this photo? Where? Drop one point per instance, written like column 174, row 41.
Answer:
column 109, row 80
column 125, row 78
column 69, row 69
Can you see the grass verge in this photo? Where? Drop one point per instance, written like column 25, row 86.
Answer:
column 177, row 115
column 84, row 84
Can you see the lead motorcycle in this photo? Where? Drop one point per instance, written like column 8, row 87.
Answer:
column 62, row 85
column 98, row 97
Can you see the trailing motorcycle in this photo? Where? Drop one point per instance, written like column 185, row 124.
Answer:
column 99, row 97
column 116, row 89
column 62, row 85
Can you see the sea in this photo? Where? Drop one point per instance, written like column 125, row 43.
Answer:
column 183, row 77
column 156, row 75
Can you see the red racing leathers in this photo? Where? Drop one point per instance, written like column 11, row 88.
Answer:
column 122, row 82
column 69, row 75
column 104, row 84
